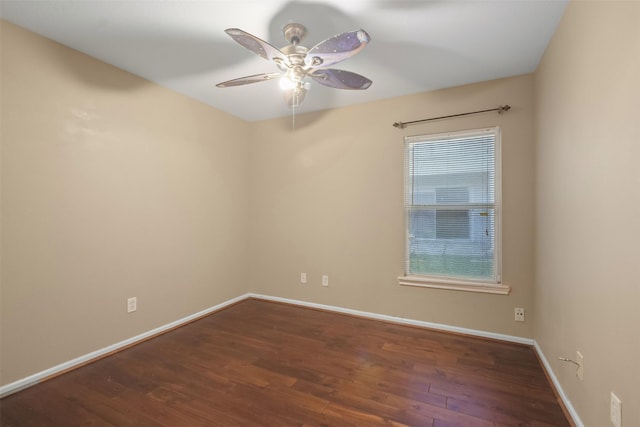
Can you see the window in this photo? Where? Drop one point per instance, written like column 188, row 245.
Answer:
column 452, row 207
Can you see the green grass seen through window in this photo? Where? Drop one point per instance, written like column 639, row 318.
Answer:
column 462, row 266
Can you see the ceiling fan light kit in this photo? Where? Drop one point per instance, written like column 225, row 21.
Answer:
column 296, row 62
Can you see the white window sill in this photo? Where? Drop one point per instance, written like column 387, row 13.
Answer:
column 454, row 285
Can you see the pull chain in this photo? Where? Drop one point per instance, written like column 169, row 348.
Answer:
column 293, row 117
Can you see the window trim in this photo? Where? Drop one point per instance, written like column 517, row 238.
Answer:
column 453, row 283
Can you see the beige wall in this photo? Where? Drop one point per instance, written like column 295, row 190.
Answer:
column 327, row 198
column 112, row 187
column 587, row 293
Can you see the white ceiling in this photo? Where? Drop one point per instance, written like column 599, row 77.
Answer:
column 416, row 46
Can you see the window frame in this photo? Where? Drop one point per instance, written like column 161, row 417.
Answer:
column 459, row 283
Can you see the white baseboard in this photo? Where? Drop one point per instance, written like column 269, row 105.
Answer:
column 23, row 383
column 399, row 320
column 39, row 376
column 567, row 403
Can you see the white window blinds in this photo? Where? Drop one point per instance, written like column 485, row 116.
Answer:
column 452, row 205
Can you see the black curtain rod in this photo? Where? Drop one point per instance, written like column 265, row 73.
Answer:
column 501, row 109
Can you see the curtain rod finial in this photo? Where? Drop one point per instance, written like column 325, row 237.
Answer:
column 503, row 109
column 398, row 125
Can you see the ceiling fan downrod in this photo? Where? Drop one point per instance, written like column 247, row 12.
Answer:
column 294, row 33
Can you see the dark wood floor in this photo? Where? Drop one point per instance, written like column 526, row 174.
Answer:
column 267, row 364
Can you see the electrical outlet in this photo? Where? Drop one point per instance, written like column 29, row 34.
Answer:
column 616, row 411
column 325, row 280
column 580, row 370
column 132, row 304
column 303, row 277
column 519, row 314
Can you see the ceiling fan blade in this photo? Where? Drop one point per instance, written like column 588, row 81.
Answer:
column 256, row 78
column 340, row 79
column 337, row 48
column 256, row 45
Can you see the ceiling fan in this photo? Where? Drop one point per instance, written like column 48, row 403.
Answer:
column 297, row 62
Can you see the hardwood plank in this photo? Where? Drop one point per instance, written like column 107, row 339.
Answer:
column 260, row 363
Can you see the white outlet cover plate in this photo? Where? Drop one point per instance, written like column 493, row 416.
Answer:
column 580, row 360
column 132, row 305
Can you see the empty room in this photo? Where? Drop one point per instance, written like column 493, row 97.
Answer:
column 320, row 213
